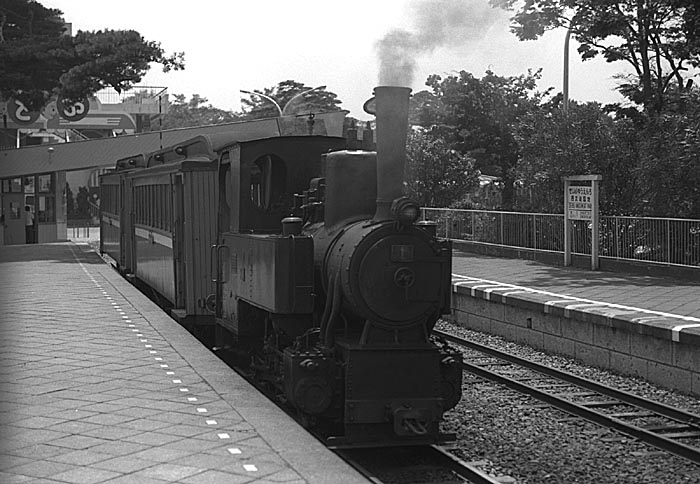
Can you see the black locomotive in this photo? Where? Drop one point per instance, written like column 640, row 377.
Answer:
column 324, row 287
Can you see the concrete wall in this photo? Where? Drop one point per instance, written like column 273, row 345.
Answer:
column 615, row 340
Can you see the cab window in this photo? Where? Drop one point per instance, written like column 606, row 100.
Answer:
column 268, row 179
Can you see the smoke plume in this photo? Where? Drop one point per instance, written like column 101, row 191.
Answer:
column 436, row 23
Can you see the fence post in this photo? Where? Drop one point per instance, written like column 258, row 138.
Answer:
column 617, row 237
column 501, row 239
column 668, row 241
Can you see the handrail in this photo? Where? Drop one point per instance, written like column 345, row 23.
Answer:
column 671, row 241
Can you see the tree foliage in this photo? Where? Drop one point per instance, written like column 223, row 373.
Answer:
column 39, row 61
column 659, row 39
column 436, row 174
column 668, row 168
column 477, row 117
column 195, row 112
column 292, row 98
column 586, row 140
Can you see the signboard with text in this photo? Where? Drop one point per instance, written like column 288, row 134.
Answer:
column 580, row 203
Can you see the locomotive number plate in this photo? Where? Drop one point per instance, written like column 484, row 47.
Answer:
column 402, row 253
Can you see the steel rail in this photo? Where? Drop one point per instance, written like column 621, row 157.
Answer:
column 462, row 468
column 657, row 440
column 434, row 454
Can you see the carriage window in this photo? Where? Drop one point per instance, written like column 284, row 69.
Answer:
column 225, row 192
column 268, row 179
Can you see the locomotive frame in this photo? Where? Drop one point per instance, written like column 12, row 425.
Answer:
column 304, row 263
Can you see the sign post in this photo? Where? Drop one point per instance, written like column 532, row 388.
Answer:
column 581, row 203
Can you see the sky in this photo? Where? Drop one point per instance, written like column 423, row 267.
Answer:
column 236, row 44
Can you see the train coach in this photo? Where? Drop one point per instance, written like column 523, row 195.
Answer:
column 306, row 264
column 160, row 212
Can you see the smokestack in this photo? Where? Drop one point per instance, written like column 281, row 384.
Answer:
column 391, row 107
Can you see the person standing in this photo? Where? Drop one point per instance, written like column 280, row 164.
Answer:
column 28, row 225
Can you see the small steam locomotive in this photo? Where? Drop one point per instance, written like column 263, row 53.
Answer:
column 319, row 280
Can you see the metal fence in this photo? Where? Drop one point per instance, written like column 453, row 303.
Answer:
column 661, row 240
column 135, row 95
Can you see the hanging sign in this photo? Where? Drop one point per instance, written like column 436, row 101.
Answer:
column 19, row 113
column 72, row 111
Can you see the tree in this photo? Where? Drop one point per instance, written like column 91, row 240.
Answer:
column 586, row 140
column 195, row 112
column 477, row 116
column 82, row 203
column 39, row 61
column 436, row 174
column 660, row 39
column 293, row 98
column 668, row 169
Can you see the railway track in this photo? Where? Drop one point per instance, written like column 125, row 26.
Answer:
column 414, row 465
column 667, row 428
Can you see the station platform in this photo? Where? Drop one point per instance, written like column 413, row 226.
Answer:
column 634, row 324
column 99, row 385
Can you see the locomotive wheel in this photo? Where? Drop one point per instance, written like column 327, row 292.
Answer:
column 313, row 395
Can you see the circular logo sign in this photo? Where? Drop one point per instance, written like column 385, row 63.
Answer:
column 19, row 113
column 72, row 111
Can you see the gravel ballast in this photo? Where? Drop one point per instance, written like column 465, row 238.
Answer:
column 520, row 437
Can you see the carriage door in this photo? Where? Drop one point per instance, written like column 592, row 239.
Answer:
column 223, row 225
column 177, row 222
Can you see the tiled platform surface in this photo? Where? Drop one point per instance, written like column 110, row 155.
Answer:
column 98, row 385
column 636, row 325
column 666, row 307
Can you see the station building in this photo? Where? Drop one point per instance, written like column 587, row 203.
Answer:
column 39, row 152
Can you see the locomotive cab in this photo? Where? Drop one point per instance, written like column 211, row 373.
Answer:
column 332, row 310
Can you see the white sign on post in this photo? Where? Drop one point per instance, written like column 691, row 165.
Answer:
column 580, row 203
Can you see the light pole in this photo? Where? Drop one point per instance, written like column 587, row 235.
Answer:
column 565, row 105
column 299, row 95
column 279, row 109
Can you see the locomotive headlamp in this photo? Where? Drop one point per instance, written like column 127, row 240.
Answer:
column 405, row 211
